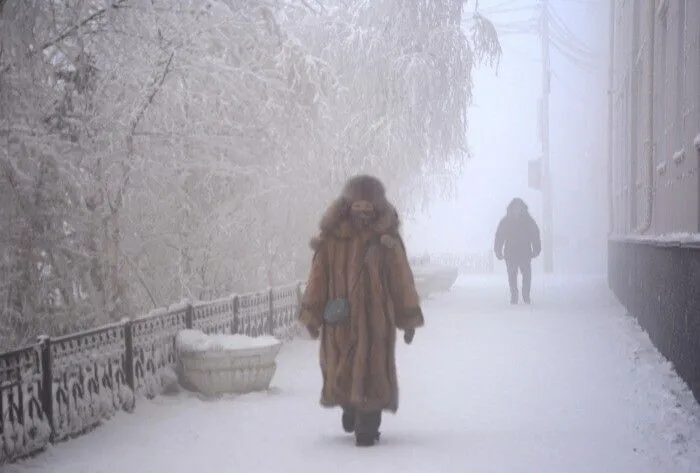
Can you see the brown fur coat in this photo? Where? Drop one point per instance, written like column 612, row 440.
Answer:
column 358, row 359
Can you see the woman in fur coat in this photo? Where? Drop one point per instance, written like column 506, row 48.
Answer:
column 360, row 257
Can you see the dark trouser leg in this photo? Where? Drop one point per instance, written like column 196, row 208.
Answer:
column 526, row 269
column 367, row 425
column 348, row 419
column 512, row 268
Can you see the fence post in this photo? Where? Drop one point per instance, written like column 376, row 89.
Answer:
column 297, row 320
column 46, row 394
column 271, row 313
column 189, row 316
column 129, row 358
column 300, row 295
column 234, row 323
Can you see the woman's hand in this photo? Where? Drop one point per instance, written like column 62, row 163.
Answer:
column 408, row 335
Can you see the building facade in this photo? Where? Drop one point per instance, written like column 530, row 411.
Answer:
column 654, row 180
column 655, row 126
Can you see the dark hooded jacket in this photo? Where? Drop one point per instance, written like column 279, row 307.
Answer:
column 517, row 236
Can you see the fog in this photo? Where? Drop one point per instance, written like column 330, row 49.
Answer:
column 159, row 151
column 504, row 135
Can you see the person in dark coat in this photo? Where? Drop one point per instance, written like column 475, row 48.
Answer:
column 518, row 241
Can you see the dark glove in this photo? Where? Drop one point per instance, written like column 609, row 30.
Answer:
column 408, row 335
column 314, row 331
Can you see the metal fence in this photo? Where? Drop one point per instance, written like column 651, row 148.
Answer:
column 62, row 387
column 659, row 284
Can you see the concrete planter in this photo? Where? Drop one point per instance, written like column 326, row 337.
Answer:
column 226, row 364
column 434, row 279
column 445, row 279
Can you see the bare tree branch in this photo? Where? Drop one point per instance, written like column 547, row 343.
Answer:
column 157, row 83
column 70, row 31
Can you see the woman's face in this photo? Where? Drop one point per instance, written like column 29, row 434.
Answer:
column 361, row 206
column 362, row 212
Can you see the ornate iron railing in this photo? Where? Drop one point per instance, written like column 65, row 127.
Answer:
column 59, row 388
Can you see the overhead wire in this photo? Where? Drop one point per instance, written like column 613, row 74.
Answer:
column 562, row 39
column 559, row 25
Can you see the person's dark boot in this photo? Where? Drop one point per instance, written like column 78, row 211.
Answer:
column 367, row 428
column 348, row 420
column 366, row 439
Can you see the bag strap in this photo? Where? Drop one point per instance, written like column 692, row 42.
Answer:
column 362, row 269
column 368, row 246
column 364, row 260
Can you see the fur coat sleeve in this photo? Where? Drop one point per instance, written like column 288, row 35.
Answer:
column 315, row 296
column 401, row 285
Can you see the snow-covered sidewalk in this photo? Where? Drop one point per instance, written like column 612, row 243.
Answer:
column 568, row 385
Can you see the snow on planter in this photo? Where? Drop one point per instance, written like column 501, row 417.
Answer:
column 226, row 364
column 430, row 279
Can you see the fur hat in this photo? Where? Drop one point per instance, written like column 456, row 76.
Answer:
column 365, row 187
column 361, row 187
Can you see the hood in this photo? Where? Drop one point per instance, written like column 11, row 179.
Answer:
column 515, row 203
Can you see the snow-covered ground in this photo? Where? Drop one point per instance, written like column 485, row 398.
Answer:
column 569, row 385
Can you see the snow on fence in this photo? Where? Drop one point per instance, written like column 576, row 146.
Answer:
column 59, row 388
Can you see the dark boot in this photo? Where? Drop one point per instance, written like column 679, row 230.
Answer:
column 348, row 419
column 367, row 428
column 366, row 440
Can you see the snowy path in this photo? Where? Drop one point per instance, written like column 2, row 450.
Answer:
column 570, row 385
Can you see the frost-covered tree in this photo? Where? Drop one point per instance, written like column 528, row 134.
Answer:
column 405, row 80
column 46, row 250
column 155, row 150
column 222, row 149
